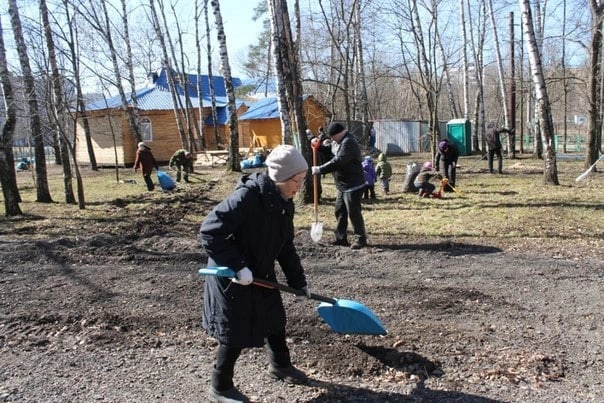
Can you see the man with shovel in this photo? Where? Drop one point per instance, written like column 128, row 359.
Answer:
column 247, row 232
column 347, row 169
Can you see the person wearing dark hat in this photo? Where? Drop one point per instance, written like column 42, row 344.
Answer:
column 346, row 167
column 183, row 161
column 146, row 162
column 446, row 162
column 248, row 231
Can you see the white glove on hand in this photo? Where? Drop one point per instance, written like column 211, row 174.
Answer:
column 315, row 170
column 244, row 277
column 306, row 294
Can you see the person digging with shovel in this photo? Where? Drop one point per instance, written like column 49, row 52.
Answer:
column 248, row 231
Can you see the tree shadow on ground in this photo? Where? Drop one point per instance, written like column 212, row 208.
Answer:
column 452, row 248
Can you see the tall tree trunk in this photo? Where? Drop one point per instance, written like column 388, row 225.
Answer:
column 512, row 101
column 595, row 102
column 211, row 78
column 466, row 72
column 42, row 190
column 360, row 71
column 202, row 139
column 58, row 109
column 73, row 43
column 169, row 73
column 276, row 11
column 506, row 119
column 225, row 67
column 130, row 66
column 550, row 174
column 8, row 179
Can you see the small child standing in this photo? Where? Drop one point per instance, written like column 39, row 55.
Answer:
column 422, row 180
column 384, row 172
column 370, row 178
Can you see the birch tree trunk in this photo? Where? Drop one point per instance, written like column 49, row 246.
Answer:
column 57, row 106
column 225, row 67
column 504, row 97
column 477, row 45
column 466, row 73
column 275, row 12
column 211, row 78
column 202, row 138
column 167, row 65
column 550, row 174
column 8, row 179
column 42, row 190
column 361, row 68
column 595, row 102
column 130, row 65
column 72, row 42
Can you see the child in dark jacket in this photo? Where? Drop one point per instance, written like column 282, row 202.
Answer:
column 422, row 180
column 370, row 178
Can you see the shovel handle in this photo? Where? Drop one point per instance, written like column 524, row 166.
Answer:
column 296, row 291
column 315, row 180
column 227, row 272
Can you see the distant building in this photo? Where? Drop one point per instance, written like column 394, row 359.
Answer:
column 112, row 137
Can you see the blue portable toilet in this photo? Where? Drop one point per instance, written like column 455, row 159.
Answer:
column 459, row 132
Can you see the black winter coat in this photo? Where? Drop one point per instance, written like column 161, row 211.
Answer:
column 346, row 164
column 251, row 228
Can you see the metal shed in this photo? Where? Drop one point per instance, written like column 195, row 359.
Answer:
column 404, row 136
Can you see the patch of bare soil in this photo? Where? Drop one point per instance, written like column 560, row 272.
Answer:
column 111, row 312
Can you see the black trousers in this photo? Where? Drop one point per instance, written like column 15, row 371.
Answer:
column 348, row 206
column 492, row 153
column 226, row 357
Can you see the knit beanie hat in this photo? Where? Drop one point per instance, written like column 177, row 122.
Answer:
column 284, row 162
column 335, row 128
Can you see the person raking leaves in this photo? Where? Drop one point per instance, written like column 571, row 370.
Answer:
column 247, row 232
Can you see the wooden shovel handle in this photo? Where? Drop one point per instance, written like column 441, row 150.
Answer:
column 300, row 293
column 315, row 179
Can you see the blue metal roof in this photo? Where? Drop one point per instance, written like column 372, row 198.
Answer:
column 266, row 108
column 158, row 97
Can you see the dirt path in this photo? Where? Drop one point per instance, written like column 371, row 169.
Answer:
column 115, row 316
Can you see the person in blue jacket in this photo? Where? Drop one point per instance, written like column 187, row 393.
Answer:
column 247, row 232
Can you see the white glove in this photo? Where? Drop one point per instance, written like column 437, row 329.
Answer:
column 244, row 277
column 315, row 170
column 306, row 293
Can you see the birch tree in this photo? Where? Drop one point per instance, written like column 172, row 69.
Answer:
column 57, row 106
column 595, row 101
column 42, row 190
column 543, row 109
column 8, row 179
column 71, row 39
column 211, row 77
column 225, row 68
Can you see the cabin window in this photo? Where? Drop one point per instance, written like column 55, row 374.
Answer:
column 145, row 128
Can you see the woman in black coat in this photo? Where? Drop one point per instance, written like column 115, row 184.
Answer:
column 247, row 232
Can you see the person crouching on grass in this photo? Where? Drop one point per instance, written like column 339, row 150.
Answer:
column 247, row 232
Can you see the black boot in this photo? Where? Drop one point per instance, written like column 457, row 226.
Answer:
column 280, row 362
column 222, row 389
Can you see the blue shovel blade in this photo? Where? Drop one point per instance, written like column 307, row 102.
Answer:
column 350, row 317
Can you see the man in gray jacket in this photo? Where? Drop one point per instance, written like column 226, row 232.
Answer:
column 347, row 170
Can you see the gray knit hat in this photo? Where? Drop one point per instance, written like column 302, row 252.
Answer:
column 284, row 162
